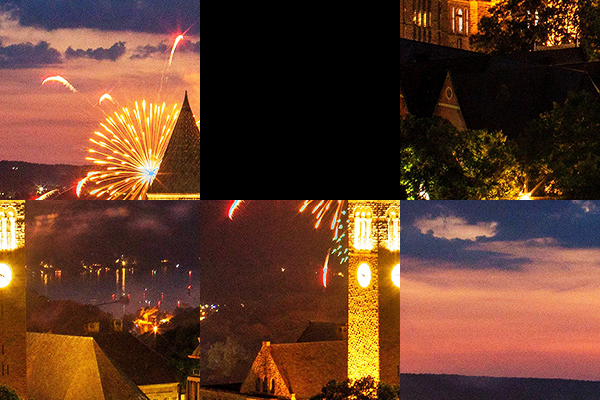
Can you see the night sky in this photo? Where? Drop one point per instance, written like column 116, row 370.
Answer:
column 269, row 257
column 242, row 262
column 118, row 47
column 507, row 288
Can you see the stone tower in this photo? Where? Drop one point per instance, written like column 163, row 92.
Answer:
column 373, row 291
column 13, row 360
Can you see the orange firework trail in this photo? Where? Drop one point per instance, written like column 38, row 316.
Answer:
column 131, row 145
column 107, row 96
column 60, row 79
column 177, row 40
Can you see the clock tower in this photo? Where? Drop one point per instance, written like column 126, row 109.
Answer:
column 13, row 280
column 374, row 290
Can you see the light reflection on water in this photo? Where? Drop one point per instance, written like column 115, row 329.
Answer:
column 144, row 286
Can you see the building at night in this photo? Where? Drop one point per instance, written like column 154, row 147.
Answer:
column 370, row 346
column 495, row 93
column 13, row 280
column 374, row 290
column 61, row 367
column 178, row 177
column 443, row 22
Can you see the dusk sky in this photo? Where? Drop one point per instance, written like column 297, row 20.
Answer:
column 506, row 288
column 116, row 47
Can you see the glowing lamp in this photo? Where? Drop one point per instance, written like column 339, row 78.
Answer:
column 5, row 275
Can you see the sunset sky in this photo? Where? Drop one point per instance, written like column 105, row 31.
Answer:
column 501, row 288
column 98, row 47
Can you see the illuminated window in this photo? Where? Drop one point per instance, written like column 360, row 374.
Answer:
column 362, row 228
column 459, row 19
column 453, row 20
column 8, row 229
column 393, row 220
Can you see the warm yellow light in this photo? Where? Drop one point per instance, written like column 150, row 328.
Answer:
column 396, row 275
column 525, row 196
column 155, row 329
column 363, row 274
column 5, row 275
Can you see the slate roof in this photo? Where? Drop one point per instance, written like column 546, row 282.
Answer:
column 179, row 170
column 139, row 362
column 322, row 332
column 411, row 51
column 62, row 367
column 307, row 367
column 494, row 92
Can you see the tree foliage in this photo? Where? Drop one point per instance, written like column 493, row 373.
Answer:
column 360, row 389
column 446, row 163
column 519, row 25
column 562, row 148
column 7, row 393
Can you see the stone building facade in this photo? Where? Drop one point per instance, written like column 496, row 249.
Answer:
column 443, row 22
column 373, row 297
column 13, row 345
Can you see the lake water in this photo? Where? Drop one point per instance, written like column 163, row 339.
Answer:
column 144, row 286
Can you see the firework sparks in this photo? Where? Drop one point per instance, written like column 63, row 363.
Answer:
column 48, row 194
column 322, row 208
column 131, row 146
column 234, row 206
column 325, row 271
column 60, row 79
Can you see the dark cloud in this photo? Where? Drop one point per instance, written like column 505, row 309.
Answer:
column 460, row 253
column 113, row 53
column 65, row 232
column 148, row 50
column 185, row 46
column 28, row 55
column 155, row 16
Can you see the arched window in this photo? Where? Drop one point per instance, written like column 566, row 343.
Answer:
column 362, row 228
column 257, row 384
column 459, row 20
column 272, row 386
column 3, row 221
column 393, row 229
column 8, row 229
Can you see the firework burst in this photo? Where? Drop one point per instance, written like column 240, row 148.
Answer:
column 130, row 146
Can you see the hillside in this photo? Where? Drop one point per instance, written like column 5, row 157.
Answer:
column 21, row 180
column 452, row 387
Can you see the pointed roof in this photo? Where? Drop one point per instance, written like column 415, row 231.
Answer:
column 299, row 368
column 62, row 367
column 142, row 364
column 180, row 168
